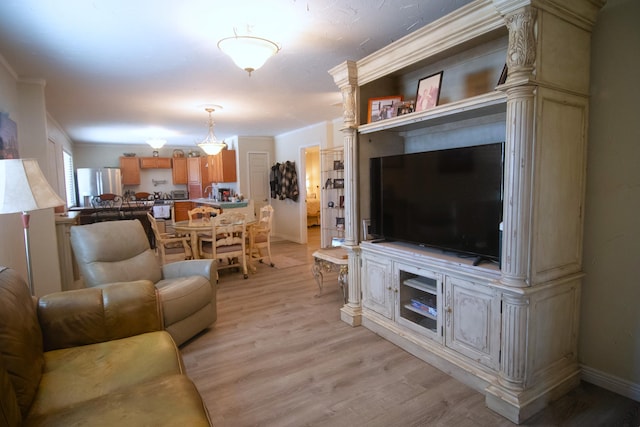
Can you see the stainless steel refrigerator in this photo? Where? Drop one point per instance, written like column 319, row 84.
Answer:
column 96, row 181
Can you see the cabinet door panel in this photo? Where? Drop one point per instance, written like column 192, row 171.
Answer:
column 473, row 321
column 377, row 293
column 179, row 171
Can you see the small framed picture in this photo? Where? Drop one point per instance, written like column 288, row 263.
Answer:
column 428, row 92
column 340, row 223
column 338, row 183
column 341, row 202
column 382, row 108
column 338, row 165
column 503, row 75
column 366, row 227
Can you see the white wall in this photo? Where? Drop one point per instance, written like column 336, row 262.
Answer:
column 24, row 100
column 609, row 342
column 290, row 218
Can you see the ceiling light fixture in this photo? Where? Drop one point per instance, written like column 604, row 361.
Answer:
column 210, row 145
column 248, row 52
column 156, row 144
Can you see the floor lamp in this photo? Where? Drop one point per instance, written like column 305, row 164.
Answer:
column 23, row 188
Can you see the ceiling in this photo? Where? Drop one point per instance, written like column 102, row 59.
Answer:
column 124, row 71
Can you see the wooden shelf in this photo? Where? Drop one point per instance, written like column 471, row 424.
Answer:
column 477, row 106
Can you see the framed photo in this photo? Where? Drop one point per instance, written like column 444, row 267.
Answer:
column 340, row 223
column 341, row 202
column 366, row 226
column 338, row 165
column 382, row 108
column 428, row 92
column 338, row 183
column 503, row 75
column 8, row 138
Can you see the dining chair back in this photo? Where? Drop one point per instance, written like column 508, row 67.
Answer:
column 227, row 243
column 107, row 207
column 204, row 213
column 259, row 236
column 167, row 243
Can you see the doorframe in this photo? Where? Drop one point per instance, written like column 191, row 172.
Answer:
column 302, row 189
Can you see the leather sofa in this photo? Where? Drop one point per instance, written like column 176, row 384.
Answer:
column 95, row 357
column 119, row 251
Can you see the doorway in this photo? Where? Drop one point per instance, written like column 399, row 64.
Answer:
column 312, row 202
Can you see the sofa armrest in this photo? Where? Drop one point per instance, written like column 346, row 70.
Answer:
column 196, row 267
column 103, row 313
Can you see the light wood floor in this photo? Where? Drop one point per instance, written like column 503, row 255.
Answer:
column 280, row 356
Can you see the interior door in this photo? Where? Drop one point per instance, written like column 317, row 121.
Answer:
column 259, row 179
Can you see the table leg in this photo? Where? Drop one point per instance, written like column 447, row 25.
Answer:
column 194, row 245
column 316, row 270
column 343, row 280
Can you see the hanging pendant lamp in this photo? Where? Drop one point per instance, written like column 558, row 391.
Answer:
column 210, row 144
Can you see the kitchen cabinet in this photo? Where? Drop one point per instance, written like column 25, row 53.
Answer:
column 222, row 167
column 155, row 162
column 196, row 176
column 181, row 209
column 179, row 170
column 130, row 170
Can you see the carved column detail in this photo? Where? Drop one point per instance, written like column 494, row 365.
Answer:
column 349, row 105
column 515, row 316
column 521, row 53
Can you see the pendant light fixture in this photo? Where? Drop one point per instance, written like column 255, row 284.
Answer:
column 156, row 144
column 248, row 52
column 210, row 144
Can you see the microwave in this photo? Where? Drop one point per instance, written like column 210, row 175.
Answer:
column 179, row 195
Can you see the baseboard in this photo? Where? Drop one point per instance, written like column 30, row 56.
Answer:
column 611, row 383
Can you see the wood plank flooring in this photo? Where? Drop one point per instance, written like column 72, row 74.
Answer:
column 280, row 356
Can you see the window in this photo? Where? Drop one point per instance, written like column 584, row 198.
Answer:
column 69, row 181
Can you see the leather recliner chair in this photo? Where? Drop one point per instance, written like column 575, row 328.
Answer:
column 119, row 251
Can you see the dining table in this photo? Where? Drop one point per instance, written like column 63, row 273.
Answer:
column 194, row 228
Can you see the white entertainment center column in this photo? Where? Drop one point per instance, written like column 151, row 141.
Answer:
column 509, row 331
column 345, row 78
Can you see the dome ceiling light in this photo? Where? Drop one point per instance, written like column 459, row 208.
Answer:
column 248, row 52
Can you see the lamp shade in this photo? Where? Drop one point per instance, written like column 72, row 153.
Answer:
column 248, row 52
column 24, row 188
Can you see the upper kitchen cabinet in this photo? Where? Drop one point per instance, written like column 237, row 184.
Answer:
column 130, row 170
column 155, row 162
column 179, row 170
column 222, row 166
column 196, row 176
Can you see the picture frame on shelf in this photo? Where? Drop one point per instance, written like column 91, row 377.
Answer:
column 338, row 165
column 503, row 76
column 338, row 183
column 366, row 228
column 428, row 93
column 341, row 202
column 382, row 108
column 340, row 223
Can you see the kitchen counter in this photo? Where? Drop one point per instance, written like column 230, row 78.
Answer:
column 217, row 204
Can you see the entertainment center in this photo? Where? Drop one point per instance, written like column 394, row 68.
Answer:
column 509, row 328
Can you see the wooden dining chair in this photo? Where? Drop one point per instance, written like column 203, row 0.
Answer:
column 227, row 242
column 167, row 243
column 203, row 213
column 259, row 236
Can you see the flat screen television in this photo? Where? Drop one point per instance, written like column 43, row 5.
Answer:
column 446, row 199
